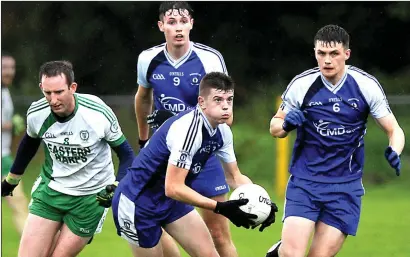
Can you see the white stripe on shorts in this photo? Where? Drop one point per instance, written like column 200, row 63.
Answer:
column 126, row 214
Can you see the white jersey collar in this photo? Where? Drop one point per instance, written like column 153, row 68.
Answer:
column 339, row 84
column 180, row 61
column 209, row 128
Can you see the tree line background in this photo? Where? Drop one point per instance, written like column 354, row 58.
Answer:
column 265, row 44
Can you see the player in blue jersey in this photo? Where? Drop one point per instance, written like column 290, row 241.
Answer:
column 158, row 190
column 329, row 107
column 169, row 76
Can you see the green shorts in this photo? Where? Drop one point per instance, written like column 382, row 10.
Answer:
column 82, row 214
column 6, row 163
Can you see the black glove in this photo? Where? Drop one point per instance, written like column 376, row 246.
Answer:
column 7, row 187
column 104, row 198
column 230, row 209
column 158, row 117
column 142, row 143
column 270, row 219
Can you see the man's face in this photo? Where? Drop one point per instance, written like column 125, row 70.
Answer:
column 176, row 26
column 331, row 58
column 8, row 70
column 59, row 95
column 217, row 106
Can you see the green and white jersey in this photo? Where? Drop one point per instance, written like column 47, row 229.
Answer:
column 7, row 109
column 77, row 151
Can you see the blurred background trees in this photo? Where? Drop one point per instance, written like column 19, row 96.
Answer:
column 264, row 44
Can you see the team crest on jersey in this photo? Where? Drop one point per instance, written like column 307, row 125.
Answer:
column 114, row 127
column 354, row 102
column 84, row 135
column 195, row 78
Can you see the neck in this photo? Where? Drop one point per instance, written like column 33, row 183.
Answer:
column 334, row 80
column 177, row 52
column 213, row 123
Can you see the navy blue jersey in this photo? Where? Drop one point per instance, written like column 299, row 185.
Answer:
column 175, row 83
column 329, row 147
column 186, row 141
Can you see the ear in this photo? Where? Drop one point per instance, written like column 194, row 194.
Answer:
column 192, row 23
column 73, row 87
column 201, row 102
column 40, row 86
column 161, row 26
column 347, row 54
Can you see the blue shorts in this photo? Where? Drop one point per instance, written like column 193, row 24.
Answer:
column 211, row 180
column 337, row 205
column 140, row 222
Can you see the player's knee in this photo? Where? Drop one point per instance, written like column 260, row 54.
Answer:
column 288, row 250
column 329, row 250
column 219, row 234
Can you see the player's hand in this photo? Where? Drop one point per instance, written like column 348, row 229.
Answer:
column 270, row 219
column 158, row 117
column 104, row 197
column 7, row 186
column 230, row 209
column 393, row 158
column 142, row 143
column 18, row 124
column 293, row 119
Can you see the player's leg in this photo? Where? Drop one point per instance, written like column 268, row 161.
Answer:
column 18, row 202
column 340, row 218
column 137, row 222
column 42, row 224
column 192, row 234
column 19, row 206
column 83, row 218
column 211, row 182
column 38, row 236
column 327, row 241
column 296, row 232
column 169, row 245
column 301, row 211
column 69, row 244
column 218, row 227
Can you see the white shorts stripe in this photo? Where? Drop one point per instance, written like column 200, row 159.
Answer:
column 126, row 214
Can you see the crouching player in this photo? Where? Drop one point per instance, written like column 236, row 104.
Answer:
column 156, row 192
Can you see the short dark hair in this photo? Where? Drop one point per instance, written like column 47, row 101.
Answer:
column 55, row 68
column 174, row 5
column 216, row 80
column 332, row 34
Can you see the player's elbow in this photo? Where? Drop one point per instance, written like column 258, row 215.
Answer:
column 171, row 190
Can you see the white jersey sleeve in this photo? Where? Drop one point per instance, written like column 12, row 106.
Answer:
column 112, row 130
column 372, row 92
column 184, row 139
column 294, row 94
column 210, row 58
column 144, row 60
column 226, row 153
column 6, row 106
column 37, row 113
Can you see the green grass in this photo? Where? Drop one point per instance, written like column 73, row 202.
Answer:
column 383, row 229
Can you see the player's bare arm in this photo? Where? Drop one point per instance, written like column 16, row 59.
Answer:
column 393, row 131
column 234, row 177
column 143, row 107
column 175, row 188
column 276, row 125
